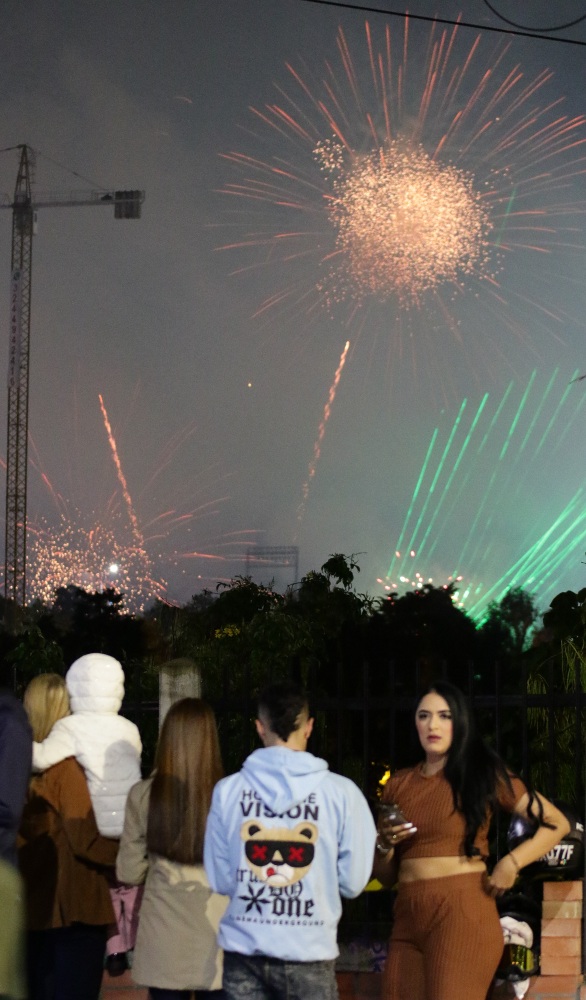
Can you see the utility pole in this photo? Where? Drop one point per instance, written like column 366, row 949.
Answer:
column 127, row 205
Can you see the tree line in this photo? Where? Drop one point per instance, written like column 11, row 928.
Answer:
column 322, row 627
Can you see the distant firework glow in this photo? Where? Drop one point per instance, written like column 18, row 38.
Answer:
column 92, row 558
column 402, row 187
column 134, row 546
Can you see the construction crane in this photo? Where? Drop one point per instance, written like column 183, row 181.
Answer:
column 24, row 205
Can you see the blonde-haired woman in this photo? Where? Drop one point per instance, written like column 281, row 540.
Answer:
column 162, row 845
column 64, row 861
column 46, row 701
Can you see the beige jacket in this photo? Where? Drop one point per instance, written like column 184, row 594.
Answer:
column 176, row 945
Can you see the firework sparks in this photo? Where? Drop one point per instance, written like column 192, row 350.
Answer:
column 391, row 185
column 405, row 225
column 121, row 477
column 90, row 557
column 321, row 431
column 132, row 548
column 417, row 581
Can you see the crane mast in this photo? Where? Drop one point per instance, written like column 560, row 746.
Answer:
column 18, row 384
column 127, row 205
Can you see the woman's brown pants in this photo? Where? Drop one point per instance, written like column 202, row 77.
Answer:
column 446, row 941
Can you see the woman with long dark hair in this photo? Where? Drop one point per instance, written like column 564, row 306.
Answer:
column 447, row 940
column 162, row 845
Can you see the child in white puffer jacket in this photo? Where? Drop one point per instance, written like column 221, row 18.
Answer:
column 108, row 747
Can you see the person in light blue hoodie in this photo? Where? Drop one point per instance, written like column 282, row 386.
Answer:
column 285, row 838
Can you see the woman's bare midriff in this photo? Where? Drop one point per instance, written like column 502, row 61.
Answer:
column 414, row 869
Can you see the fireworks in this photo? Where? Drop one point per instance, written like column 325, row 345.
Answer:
column 122, row 478
column 475, row 472
column 405, row 225
column 126, row 545
column 321, row 431
column 93, row 558
column 403, row 181
column 97, row 554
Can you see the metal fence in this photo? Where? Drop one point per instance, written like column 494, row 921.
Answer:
column 365, row 721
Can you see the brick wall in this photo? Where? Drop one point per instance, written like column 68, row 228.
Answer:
column 561, row 937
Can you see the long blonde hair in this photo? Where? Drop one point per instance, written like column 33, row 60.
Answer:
column 45, row 701
column 187, row 766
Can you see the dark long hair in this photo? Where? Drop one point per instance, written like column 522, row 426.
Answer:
column 473, row 770
column 187, row 766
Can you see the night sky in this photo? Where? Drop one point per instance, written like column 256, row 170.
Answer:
column 216, row 365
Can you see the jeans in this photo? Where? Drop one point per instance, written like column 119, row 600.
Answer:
column 257, row 977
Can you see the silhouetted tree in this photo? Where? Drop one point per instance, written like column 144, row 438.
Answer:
column 83, row 622
column 424, row 627
column 509, row 622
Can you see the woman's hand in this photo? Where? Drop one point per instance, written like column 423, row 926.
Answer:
column 391, row 834
column 385, row 867
column 504, row 876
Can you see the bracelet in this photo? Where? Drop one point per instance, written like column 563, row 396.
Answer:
column 514, row 860
column 384, row 848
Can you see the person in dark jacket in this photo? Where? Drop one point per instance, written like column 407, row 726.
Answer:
column 16, row 744
column 16, row 747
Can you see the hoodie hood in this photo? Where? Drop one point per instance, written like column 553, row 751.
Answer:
column 95, row 683
column 282, row 777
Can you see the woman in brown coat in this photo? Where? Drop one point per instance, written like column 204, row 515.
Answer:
column 64, row 860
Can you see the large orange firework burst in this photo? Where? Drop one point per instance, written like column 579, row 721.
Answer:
column 423, row 170
column 404, row 224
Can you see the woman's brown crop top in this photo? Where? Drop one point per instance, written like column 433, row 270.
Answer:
column 428, row 803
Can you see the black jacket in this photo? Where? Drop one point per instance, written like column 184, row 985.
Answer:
column 16, row 748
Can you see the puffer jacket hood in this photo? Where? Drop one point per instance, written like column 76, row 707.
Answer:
column 95, row 683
